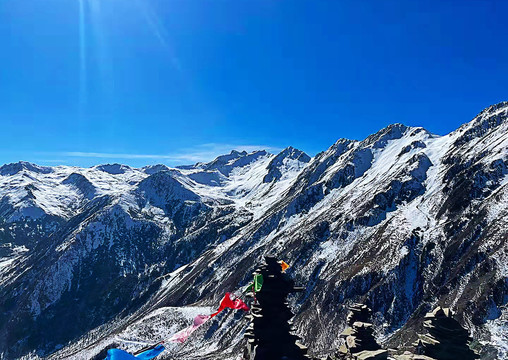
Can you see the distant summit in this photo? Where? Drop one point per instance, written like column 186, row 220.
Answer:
column 14, row 168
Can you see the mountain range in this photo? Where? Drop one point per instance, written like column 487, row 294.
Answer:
column 402, row 221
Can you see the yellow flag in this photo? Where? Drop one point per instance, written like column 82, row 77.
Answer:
column 283, row 265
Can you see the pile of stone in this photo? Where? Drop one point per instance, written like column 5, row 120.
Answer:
column 359, row 341
column 410, row 356
column 269, row 335
column 446, row 338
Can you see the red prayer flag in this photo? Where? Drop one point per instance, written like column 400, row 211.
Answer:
column 227, row 302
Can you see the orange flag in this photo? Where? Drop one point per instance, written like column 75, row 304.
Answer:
column 283, row 265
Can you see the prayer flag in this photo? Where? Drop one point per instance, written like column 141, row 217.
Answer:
column 117, row 354
column 258, row 282
column 182, row 335
column 227, row 302
column 283, row 265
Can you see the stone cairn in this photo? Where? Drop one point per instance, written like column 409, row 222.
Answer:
column 359, row 336
column 446, row 339
column 269, row 333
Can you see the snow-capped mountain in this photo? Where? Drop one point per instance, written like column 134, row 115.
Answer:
column 402, row 221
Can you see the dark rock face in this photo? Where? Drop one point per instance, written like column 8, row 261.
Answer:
column 412, row 146
column 269, row 335
column 446, row 340
column 487, row 120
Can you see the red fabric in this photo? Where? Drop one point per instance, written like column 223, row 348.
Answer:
column 237, row 304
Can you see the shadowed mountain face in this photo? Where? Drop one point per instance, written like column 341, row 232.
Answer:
column 401, row 221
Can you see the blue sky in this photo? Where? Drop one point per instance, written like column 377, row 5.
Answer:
column 84, row 82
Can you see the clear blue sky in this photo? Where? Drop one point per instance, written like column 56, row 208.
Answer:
column 175, row 81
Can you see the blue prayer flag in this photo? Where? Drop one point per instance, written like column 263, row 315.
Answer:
column 117, row 354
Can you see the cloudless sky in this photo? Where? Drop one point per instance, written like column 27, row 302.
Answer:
column 176, row 81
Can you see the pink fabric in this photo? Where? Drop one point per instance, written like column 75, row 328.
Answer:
column 199, row 320
column 182, row 335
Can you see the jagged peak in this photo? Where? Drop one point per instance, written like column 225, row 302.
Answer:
column 225, row 163
column 339, row 147
column 485, row 113
column 293, row 153
column 14, row 168
column 234, row 154
column 390, row 132
column 152, row 169
column 277, row 163
column 489, row 118
column 341, row 143
column 222, row 160
column 238, row 153
column 113, row 169
column 493, row 108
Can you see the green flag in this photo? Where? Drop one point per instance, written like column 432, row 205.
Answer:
column 258, row 282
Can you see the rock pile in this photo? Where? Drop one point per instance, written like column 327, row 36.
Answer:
column 269, row 334
column 446, row 339
column 359, row 336
column 410, row 356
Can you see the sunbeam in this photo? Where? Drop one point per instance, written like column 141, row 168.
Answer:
column 102, row 52
column 159, row 31
column 82, row 58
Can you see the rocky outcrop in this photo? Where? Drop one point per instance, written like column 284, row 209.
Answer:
column 446, row 338
column 359, row 341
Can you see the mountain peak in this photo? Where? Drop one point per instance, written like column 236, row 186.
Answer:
column 113, row 169
column 225, row 163
column 381, row 138
column 14, row 168
column 493, row 108
column 280, row 163
column 293, row 153
column 488, row 119
column 152, row 169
